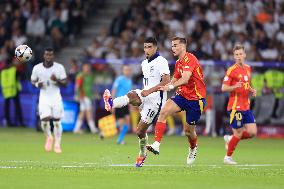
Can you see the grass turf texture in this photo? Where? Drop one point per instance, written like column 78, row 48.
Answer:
column 88, row 162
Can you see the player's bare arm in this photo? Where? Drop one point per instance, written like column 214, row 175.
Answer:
column 37, row 84
column 253, row 91
column 59, row 82
column 165, row 81
column 178, row 82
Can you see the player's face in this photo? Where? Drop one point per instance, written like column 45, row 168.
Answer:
column 48, row 56
column 149, row 49
column 239, row 56
column 86, row 68
column 177, row 47
column 126, row 70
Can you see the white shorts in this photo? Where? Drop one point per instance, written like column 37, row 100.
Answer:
column 151, row 106
column 85, row 104
column 51, row 110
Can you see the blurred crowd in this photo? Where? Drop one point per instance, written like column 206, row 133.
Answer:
column 40, row 24
column 211, row 28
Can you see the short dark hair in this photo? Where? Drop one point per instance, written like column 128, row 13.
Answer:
column 152, row 40
column 238, row 47
column 49, row 49
column 181, row 39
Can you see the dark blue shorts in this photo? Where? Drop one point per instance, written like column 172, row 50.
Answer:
column 239, row 118
column 193, row 108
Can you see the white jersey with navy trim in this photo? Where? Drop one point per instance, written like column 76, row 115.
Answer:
column 50, row 92
column 153, row 70
column 152, row 73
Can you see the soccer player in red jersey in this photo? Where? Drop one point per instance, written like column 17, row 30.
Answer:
column 190, row 97
column 237, row 83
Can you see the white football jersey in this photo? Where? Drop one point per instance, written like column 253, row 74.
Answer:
column 153, row 72
column 50, row 92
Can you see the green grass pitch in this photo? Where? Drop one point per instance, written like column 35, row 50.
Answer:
column 88, row 162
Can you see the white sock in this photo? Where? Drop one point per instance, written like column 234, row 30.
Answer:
column 45, row 126
column 156, row 143
column 142, row 144
column 120, row 101
column 78, row 125
column 208, row 123
column 230, row 137
column 57, row 132
column 92, row 126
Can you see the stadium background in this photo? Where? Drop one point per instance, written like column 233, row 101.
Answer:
column 109, row 33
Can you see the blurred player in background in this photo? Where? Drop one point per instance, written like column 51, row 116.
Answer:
column 237, row 83
column 190, row 97
column 121, row 86
column 11, row 88
column 84, row 93
column 156, row 73
column 48, row 77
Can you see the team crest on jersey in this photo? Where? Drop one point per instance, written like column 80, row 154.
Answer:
column 246, row 78
column 226, row 78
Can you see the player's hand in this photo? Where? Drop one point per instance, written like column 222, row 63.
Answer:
column 40, row 85
column 165, row 88
column 145, row 93
column 253, row 91
column 238, row 85
column 53, row 78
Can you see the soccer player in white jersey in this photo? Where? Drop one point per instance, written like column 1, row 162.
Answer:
column 48, row 76
column 156, row 73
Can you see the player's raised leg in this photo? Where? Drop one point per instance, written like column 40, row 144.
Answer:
column 169, row 108
column 248, row 131
column 131, row 98
column 232, row 144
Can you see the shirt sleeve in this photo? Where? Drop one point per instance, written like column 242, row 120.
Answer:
column 164, row 67
column 34, row 75
column 228, row 78
column 62, row 73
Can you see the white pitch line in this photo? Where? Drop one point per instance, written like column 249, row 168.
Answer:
column 10, row 167
column 198, row 165
column 73, row 166
column 257, row 165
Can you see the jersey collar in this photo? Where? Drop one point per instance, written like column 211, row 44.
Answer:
column 153, row 57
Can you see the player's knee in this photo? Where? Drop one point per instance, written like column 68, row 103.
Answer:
column 164, row 114
column 238, row 133
column 134, row 98
column 187, row 133
column 253, row 133
column 190, row 133
column 132, row 95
